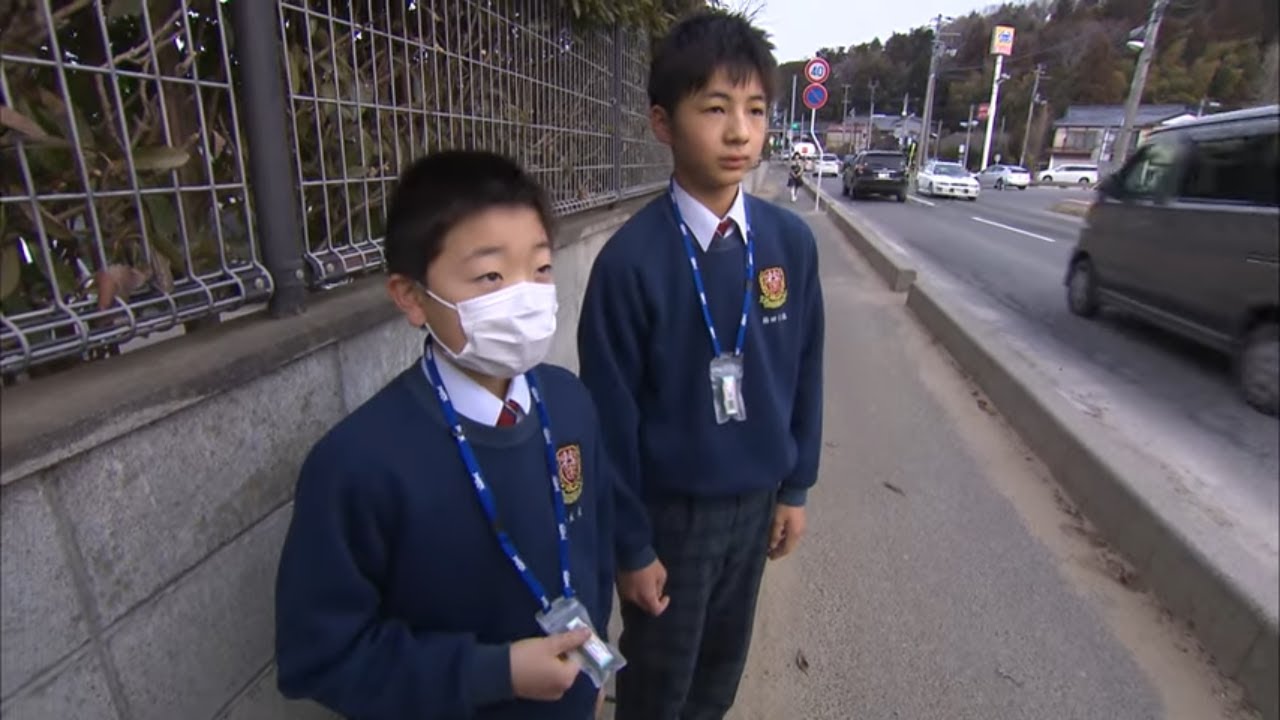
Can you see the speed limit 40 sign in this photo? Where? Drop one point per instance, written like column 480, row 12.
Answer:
column 817, row 70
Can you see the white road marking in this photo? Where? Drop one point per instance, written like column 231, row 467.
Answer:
column 1010, row 228
column 920, row 200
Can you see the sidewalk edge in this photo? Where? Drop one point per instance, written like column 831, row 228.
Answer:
column 1235, row 628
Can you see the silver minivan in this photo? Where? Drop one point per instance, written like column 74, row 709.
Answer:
column 1187, row 236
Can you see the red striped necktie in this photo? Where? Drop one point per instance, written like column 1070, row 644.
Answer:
column 510, row 414
column 724, row 232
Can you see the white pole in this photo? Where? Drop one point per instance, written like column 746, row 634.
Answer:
column 792, row 119
column 817, row 188
column 991, row 111
column 968, row 130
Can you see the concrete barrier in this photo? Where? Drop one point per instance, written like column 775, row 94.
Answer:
column 1231, row 614
column 887, row 263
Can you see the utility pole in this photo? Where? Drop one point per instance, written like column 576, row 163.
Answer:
column 844, row 105
column 1031, row 113
column 791, row 122
column 1139, row 82
column 934, row 52
column 871, row 116
column 968, row 130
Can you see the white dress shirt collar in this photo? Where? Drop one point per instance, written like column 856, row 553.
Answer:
column 703, row 223
column 473, row 401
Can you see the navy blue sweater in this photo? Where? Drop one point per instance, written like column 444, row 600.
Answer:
column 645, row 352
column 393, row 598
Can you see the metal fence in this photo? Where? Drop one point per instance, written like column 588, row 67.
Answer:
column 165, row 162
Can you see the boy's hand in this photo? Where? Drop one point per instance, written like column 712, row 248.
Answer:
column 539, row 668
column 644, row 588
column 788, row 527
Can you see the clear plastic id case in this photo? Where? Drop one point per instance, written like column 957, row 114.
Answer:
column 598, row 658
column 726, row 389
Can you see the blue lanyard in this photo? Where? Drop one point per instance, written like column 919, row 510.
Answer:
column 702, row 292
column 487, row 501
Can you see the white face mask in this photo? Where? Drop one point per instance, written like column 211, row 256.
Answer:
column 507, row 331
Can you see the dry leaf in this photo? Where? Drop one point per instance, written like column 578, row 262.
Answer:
column 802, row 662
column 161, row 271
column 117, row 281
column 15, row 120
column 161, row 157
column 219, row 143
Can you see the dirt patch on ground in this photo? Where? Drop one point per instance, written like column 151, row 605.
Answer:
column 1074, row 208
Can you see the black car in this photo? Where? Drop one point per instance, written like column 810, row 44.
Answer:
column 876, row 172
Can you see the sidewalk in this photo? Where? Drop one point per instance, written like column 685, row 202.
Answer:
column 943, row 576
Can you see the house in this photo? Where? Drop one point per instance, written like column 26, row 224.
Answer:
column 1087, row 133
column 889, row 131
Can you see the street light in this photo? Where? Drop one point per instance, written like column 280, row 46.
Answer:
column 1145, row 43
column 1136, row 39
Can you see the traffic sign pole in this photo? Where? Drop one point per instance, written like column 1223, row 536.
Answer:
column 816, row 71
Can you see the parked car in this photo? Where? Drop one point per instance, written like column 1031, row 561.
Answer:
column 876, row 172
column 1005, row 176
column 1187, row 236
column 828, row 164
column 1079, row 174
column 947, row 179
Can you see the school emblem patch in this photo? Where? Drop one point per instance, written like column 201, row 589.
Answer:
column 569, row 458
column 773, row 288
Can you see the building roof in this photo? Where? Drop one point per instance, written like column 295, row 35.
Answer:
column 886, row 122
column 1096, row 116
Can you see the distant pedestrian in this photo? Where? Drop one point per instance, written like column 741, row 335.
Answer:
column 709, row 382
column 795, row 173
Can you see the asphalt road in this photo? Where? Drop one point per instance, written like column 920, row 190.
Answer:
column 1004, row 256
column 943, row 577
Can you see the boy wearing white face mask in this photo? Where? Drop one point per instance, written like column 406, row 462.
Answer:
column 451, row 549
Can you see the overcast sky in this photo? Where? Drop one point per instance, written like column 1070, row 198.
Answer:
column 800, row 27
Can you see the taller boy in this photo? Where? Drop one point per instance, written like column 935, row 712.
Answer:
column 701, row 341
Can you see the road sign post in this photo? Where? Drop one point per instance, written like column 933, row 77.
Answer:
column 1001, row 46
column 816, row 71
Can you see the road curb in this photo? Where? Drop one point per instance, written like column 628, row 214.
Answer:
column 1233, row 627
column 1232, row 623
column 887, row 263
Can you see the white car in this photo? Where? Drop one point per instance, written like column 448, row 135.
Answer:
column 944, row 179
column 829, row 165
column 1071, row 174
column 1005, row 176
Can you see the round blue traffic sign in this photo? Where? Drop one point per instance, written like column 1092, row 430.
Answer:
column 815, row 96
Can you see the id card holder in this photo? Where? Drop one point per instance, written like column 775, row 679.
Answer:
column 726, row 389
column 598, row 658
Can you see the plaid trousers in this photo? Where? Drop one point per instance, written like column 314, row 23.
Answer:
column 686, row 663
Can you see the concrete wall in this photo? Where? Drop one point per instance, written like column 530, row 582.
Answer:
column 144, row 500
